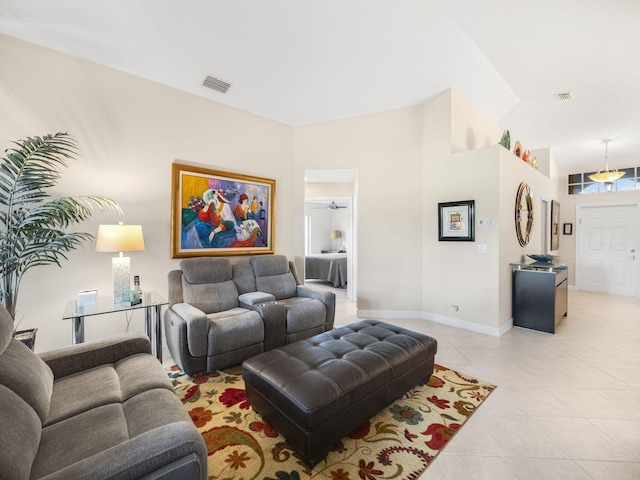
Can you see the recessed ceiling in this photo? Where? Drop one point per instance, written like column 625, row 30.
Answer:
column 301, row 62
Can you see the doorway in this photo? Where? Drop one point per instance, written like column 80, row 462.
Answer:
column 606, row 249
column 330, row 200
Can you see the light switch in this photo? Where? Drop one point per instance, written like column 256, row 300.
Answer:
column 482, row 248
column 484, row 222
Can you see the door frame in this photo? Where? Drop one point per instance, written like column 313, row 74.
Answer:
column 578, row 229
column 350, row 242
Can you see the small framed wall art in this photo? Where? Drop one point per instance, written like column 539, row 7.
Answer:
column 567, row 228
column 220, row 213
column 456, row 222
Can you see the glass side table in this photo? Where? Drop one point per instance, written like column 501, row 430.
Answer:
column 152, row 303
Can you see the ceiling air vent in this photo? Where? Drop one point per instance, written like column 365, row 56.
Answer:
column 216, row 84
column 564, row 96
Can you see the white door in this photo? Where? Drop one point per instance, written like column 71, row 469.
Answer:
column 607, row 257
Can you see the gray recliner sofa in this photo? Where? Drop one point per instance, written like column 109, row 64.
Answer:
column 96, row 410
column 221, row 313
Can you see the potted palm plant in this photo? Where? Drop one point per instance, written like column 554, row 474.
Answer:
column 33, row 224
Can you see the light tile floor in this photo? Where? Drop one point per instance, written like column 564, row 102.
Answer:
column 567, row 405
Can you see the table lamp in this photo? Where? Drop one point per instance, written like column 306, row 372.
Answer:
column 120, row 238
column 336, row 234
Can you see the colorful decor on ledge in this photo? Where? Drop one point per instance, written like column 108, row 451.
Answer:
column 505, row 141
column 518, row 151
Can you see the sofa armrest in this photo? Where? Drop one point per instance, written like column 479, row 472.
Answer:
column 253, row 298
column 83, row 356
column 324, row 297
column 175, row 451
column 197, row 327
column 274, row 318
column 329, row 300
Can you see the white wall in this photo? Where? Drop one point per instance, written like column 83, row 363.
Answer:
column 129, row 131
column 323, row 220
column 463, row 161
column 385, row 149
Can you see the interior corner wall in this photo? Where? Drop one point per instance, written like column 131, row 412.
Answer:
column 455, row 168
column 471, row 129
column 385, row 148
column 129, row 131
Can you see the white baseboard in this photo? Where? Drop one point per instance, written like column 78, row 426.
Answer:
column 443, row 319
column 389, row 314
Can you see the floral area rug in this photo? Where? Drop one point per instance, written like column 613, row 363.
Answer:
column 398, row 443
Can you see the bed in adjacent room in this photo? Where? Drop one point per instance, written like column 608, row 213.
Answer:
column 331, row 267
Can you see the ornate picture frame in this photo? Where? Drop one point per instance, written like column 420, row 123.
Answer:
column 456, row 221
column 216, row 213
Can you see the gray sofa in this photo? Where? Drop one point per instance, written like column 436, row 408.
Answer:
column 97, row 410
column 221, row 313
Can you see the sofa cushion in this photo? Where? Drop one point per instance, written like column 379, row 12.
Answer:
column 266, row 266
column 167, row 409
column 244, row 277
column 303, row 313
column 280, row 286
column 207, row 284
column 234, row 329
column 83, row 391
column 211, row 297
column 21, row 430
column 206, row 270
column 132, row 382
column 28, row 376
column 110, row 383
column 273, row 276
column 79, row 437
column 104, row 427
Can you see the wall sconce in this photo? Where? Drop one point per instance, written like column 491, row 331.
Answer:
column 120, row 238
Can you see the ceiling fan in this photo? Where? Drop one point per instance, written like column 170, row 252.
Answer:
column 332, row 206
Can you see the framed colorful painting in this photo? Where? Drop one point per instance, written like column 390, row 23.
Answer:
column 220, row 213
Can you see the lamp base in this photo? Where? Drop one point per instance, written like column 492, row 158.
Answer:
column 121, row 268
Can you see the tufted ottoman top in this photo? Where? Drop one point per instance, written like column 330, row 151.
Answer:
column 312, row 380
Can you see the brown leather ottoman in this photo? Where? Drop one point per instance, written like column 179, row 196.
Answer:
column 316, row 391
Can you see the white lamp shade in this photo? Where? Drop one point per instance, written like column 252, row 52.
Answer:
column 119, row 238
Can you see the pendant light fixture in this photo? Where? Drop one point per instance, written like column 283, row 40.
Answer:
column 605, row 175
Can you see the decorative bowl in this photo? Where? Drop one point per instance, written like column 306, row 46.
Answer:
column 543, row 258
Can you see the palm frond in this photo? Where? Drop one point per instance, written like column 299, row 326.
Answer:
column 32, row 223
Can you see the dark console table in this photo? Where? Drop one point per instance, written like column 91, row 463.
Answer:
column 540, row 295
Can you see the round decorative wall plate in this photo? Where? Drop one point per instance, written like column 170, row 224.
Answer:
column 517, row 149
column 524, row 214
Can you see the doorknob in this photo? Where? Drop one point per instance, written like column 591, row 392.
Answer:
column 633, row 257
column 633, row 250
